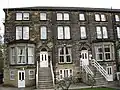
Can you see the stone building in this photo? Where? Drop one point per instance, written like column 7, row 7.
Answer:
column 45, row 44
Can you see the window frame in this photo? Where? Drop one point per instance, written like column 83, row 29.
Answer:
column 85, row 32
column 82, row 18
column 117, row 17
column 103, row 52
column 12, row 75
column 63, row 73
column 63, row 35
column 46, row 31
column 31, row 74
column 118, row 32
column 103, row 30
column 100, row 17
column 64, row 55
column 22, row 16
column 22, row 33
column 42, row 17
column 61, row 16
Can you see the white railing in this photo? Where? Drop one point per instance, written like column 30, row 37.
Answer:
column 86, row 68
column 100, row 69
column 51, row 67
column 37, row 76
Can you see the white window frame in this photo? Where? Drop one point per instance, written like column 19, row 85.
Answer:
column 22, row 32
column 65, row 55
column 12, row 74
column 118, row 32
column 31, row 56
column 99, row 33
column 103, row 52
column 23, row 55
column 83, row 32
column 103, row 17
column 66, row 16
column 59, row 16
column 81, row 17
column 97, row 17
column 43, row 16
column 18, row 32
column 31, row 74
column 25, row 16
column 19, row 16
column 63, row 32
column 117, row 18
column 62, row 75
column 12, row 55
column 104, row 30
column 43, row 32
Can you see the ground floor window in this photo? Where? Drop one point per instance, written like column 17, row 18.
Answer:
column 31, row 74
column 65, row 73
column 12, row 74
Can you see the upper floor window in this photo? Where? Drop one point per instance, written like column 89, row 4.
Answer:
column 81, row 17
column 83, row 32
column 117, row 18
column 103, row 52
column 118, row 32
column 22, row 55
column 22, row 32
column 101, row 32
column 43, row 32
column 62, row 16
column 63, row 32
column 43, row 16
column 65, row 55
column 100, row 17
column 22, row 16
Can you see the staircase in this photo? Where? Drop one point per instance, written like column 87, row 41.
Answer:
column 101, row 70
column 45, row 78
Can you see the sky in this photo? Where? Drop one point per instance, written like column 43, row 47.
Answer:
column 115, row 4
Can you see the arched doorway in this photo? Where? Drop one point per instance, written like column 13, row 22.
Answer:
column 43, row 58
column 84, row 56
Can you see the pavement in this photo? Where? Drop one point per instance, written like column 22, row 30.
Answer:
column 73, row 87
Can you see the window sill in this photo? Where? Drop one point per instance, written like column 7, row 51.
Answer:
column 65, row 63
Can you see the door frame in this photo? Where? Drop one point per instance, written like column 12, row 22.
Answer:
column 45, row 56
column 85, row 51
column 110, row 73
column 22, row 82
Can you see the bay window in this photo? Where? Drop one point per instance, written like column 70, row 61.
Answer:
column 65, row 55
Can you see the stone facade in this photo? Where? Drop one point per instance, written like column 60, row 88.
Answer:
column 52, row 43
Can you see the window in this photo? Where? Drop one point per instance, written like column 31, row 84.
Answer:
column 100, row 17
column 31, row 74
column 12, row 55
column 65, row 73
column 22, row 16
column 109, row 70
column 83, row 32
column 65, row 55
column 103, row 52
column 117, row 18
column 22, row 54
column 63, row 32
column 30, row 55
column 22, row 32
column 101, row 32
column 62, row 16
column 81, row 17
column 43, row 16
column 12, row 74
column 25, row 16
column 43, row 31
column 118, row 32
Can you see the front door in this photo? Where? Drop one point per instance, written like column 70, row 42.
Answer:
column 44, row 59
column 21, row 78
column 109, row 73
column 84, row 57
